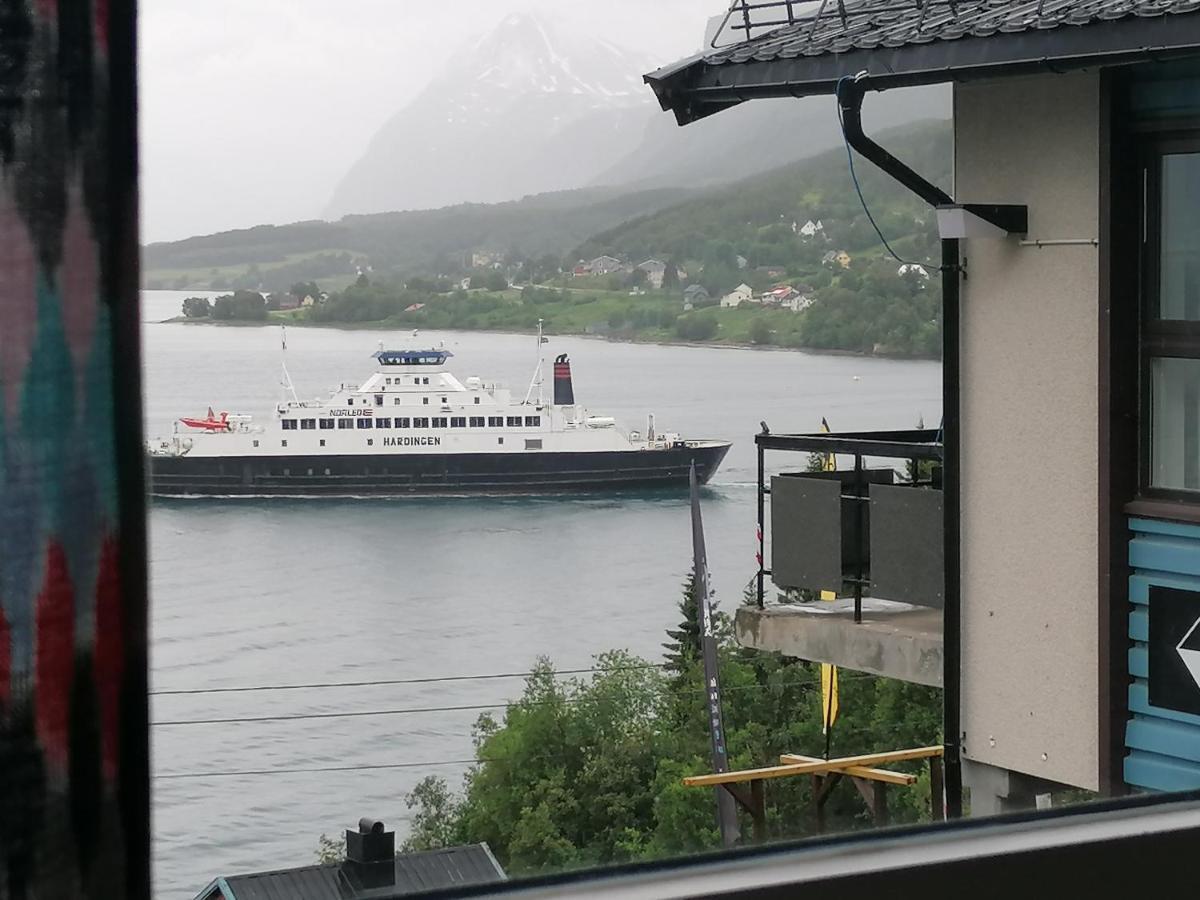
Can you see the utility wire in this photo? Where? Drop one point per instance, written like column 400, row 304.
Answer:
column 390, row 682
column 430, row 764
column 295, row 717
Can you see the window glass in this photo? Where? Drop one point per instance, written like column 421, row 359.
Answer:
column 458, row 422
column 402, row 423
column 439, row 422
column 1175, row 429
column 308, row 424
column 476, row 421
column 495, row 421
column 1179, row 284
column 364, row 424
column 383, row 423
column 326, row 424
column 514, row 421
column 533, row 421
column 345, row 424
column 420, row 422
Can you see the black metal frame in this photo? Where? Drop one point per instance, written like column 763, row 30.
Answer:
column 1160, row 338
column 912, row 445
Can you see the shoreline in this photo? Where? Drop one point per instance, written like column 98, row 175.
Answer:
column 631, row 339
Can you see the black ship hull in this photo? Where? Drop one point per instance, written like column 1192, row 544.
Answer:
column 386, row 475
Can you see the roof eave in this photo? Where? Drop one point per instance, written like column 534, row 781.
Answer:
column 694, row 89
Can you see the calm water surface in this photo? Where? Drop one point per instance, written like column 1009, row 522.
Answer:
column 255, row 592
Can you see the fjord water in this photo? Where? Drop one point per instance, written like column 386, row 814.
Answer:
column 271, row 592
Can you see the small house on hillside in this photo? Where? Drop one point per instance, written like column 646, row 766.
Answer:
column 695, row 293
column 605, row 265
column 743, row 293
column 810, row 228
column 372, row 869
column 655, row 270
column 914, row 268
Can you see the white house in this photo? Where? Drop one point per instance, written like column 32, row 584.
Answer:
column 655, row 270
column 743, row 293
column 912, row 267
column 811, row 229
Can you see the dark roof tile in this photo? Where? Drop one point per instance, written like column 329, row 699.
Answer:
column 896, row 23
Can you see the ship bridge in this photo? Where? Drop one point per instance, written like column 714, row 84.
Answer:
column 412, row 357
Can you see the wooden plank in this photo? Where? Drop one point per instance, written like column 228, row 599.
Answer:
column 817, row 767
column 901, row 779
column 866, row 760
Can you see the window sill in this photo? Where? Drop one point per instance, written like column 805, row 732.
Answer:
column 1157, row 508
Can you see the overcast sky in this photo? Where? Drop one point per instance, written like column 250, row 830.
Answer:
column 252, row 110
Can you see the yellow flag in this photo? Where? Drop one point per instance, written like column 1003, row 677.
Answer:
column 829, row 696
column 830, row 458
column 829, row 685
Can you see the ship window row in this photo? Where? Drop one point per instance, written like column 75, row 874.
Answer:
column 398, row 380
column 388, row 422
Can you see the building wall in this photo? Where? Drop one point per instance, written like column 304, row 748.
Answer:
column 1164, row 745
column 1030, row 401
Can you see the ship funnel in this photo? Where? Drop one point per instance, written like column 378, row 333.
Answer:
column 564, row 391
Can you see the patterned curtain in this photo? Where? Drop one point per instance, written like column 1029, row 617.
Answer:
column 74, row 812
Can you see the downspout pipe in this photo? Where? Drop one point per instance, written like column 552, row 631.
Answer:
column 850, row 97
column 850, row 92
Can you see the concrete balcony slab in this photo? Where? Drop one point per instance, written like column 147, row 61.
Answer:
column 896, row 640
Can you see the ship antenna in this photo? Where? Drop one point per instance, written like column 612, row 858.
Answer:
column 286, row 381
column 538, row 379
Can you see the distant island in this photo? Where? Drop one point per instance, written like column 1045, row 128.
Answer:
column 786, row 259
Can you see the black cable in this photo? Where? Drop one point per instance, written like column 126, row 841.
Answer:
column 858, row 187
column 295, row 717
column 319, row 769
column 390, row 682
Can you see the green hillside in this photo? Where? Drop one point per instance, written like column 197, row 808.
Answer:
column 273, row 257
column 753, row 218
column 751, row 232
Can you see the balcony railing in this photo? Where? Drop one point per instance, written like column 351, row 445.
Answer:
column 875, row 529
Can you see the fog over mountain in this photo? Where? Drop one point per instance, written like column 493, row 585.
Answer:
column 528, row 109
column 533, row 108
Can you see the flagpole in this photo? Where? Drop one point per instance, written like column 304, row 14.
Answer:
column 287, row 385
column 727, row 820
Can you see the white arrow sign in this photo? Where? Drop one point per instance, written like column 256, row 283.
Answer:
column 1190, row 657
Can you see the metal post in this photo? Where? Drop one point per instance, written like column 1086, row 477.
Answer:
column 951, row 488
column 859, row 570
column 937, row 799
column 761, row 511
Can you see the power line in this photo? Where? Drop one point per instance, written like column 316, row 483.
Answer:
column 321, row 769
column 391, row 682
column 295, row 717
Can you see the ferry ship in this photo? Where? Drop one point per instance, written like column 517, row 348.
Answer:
column 414, row 428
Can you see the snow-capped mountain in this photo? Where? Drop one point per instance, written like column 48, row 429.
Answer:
column 527, row 109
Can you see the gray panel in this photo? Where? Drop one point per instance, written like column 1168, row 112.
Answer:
column 806, row 532
column 907, row 560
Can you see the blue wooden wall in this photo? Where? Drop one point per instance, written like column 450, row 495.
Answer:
column 1164, row 745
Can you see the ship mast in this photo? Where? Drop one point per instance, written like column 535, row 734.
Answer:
column 538, row 378
column 286, row 378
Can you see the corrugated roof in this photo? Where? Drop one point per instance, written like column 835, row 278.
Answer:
column 906, row 42
column 414, row 873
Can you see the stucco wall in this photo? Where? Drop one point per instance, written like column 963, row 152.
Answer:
column 1029, row 393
